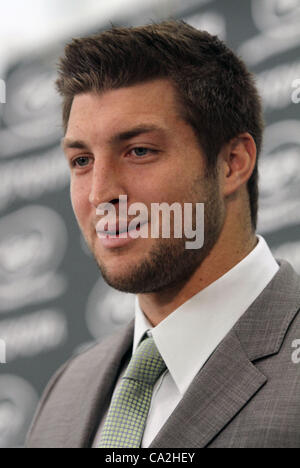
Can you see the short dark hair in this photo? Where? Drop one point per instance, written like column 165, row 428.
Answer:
column 217, row 93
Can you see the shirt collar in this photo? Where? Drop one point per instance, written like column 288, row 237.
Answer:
column 190, row 334
column 141, row 325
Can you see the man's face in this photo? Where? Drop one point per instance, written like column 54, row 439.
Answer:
column 134, row 143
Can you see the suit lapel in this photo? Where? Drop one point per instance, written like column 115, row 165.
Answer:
column 219, row 391
column 261, row 330
column 95, row 392
column 229, row 378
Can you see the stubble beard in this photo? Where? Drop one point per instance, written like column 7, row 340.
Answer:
column 168, row 264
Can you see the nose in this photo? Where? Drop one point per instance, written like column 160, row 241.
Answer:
column 106, row 184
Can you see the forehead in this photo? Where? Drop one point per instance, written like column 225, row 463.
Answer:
column 153, row 102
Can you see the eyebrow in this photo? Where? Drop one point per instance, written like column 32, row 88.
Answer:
column 118, row 138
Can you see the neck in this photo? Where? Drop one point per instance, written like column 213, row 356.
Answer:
column 228, row 251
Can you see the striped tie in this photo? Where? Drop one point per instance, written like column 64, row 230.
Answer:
column 127, row 415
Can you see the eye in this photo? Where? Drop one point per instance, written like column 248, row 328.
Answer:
column 82, row 161
column 140, row 151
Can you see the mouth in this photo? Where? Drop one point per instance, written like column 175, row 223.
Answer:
column 112, row 240
column 118, row 232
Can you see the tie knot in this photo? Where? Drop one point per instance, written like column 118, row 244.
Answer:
column 146, row 364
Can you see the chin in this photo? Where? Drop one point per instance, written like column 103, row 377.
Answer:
column 116, row 268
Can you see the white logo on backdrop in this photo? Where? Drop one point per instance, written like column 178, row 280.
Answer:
column 210, row 21
column 33, row 242
column 32, row 115
column 296, row 92
column 278, row 21
column 18, row 401
column 278, row 87
column 34, row 333
column 2, row 92
column 2, row 351
column 33, row 176
column 280, row 177
column 108, row 309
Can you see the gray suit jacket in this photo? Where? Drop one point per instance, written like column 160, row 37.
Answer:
column 246, row 396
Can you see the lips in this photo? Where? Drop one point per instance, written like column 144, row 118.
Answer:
column 119, row 231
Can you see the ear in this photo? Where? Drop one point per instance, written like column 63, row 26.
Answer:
column 238, row 159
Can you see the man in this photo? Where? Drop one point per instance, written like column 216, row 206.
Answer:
column 168, row 114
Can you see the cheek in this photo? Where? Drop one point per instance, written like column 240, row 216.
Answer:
column 80, row 201
column 163, row 182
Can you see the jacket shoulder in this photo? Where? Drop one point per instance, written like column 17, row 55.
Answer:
column 72, row 376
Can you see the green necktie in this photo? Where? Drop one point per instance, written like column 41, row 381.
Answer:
column 126, row 418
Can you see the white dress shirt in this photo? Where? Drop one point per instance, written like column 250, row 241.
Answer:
column 190, row 334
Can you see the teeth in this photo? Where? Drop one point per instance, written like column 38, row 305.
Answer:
column 121, row 232
column 111, row 233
